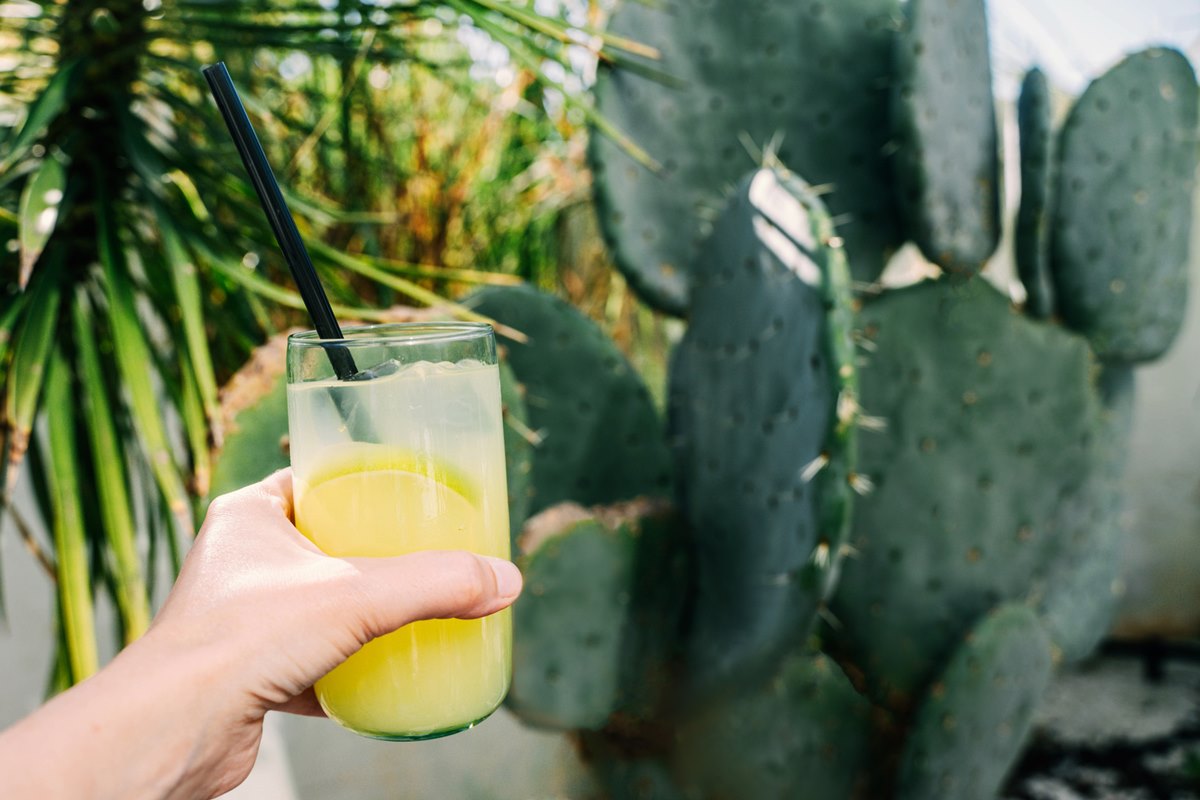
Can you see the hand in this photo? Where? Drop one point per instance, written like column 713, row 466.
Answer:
column 257, row 615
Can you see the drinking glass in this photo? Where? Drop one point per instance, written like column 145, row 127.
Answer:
column 407, row 455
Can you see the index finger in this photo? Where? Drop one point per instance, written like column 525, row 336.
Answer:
column 278, row 489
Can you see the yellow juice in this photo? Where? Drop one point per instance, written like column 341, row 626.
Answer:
column 440, row 486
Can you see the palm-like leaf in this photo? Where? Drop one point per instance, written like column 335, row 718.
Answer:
column 156, row 277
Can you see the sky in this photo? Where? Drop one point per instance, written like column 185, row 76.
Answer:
column 1074, row 39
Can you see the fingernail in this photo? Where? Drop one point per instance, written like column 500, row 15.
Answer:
column 508, row 577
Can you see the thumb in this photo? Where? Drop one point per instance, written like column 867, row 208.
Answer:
column 433, row 584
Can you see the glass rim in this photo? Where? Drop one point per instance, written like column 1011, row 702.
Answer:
column 396, row 333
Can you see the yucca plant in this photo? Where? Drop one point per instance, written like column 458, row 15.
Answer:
column 140, row 272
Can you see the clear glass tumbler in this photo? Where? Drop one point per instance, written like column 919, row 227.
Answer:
column 407, row 456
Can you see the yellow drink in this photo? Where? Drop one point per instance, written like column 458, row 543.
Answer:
column 434, row 481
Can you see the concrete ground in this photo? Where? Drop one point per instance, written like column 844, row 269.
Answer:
column 1108, row 731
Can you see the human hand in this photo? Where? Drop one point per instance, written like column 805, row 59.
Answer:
column 257, row 615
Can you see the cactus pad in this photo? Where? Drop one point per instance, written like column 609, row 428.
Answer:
column 804, row 732
column 991, row 463
column 254, row 418
column 761, row 386
column 947, row 162
column 1126, row 172
column 625, row 775
column 518, row 450
column 1080, row 597
column 596, row 623
column 600, row 437
column 1032, row 245
column 969, row 730
column 812, row 73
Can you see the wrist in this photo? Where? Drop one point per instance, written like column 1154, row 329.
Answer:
column 155, row 723
column 188, row 690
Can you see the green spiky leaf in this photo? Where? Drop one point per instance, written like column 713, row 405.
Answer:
column 39, row 212
column 70, row 539
column 112, row 480
column 27, row 370
column 48, row 105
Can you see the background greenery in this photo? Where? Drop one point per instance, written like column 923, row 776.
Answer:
column 425, row 147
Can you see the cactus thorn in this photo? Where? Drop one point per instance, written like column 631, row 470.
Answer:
column 847, row 408
column 535, row 438
column 873, row 424
column 866, row 345
column 774, row 145
column 820, row 554
column 814, row 467
column 860, row 483
column 780, row 578
column 752, row 149
column 829, row 617
column 863, row 287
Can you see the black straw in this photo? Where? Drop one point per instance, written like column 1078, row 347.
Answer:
column 280, row 217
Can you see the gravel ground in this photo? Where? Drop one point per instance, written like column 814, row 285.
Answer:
column 1124, row 727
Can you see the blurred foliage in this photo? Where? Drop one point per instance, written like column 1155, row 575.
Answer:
column 425, row 146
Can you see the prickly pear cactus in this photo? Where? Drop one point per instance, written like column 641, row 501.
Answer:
column 804, row 727
column 982, row 405
column 986, row 551
column 254, row 418
column 1032, row 235
column 1080, row 595
column 1125, row 186
column 763, row 402
column 763, row 406
column 597, row 437
column 595, row 626
column 947, row 158
column 971, row 725
column 518, row 448
column 732, row 79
